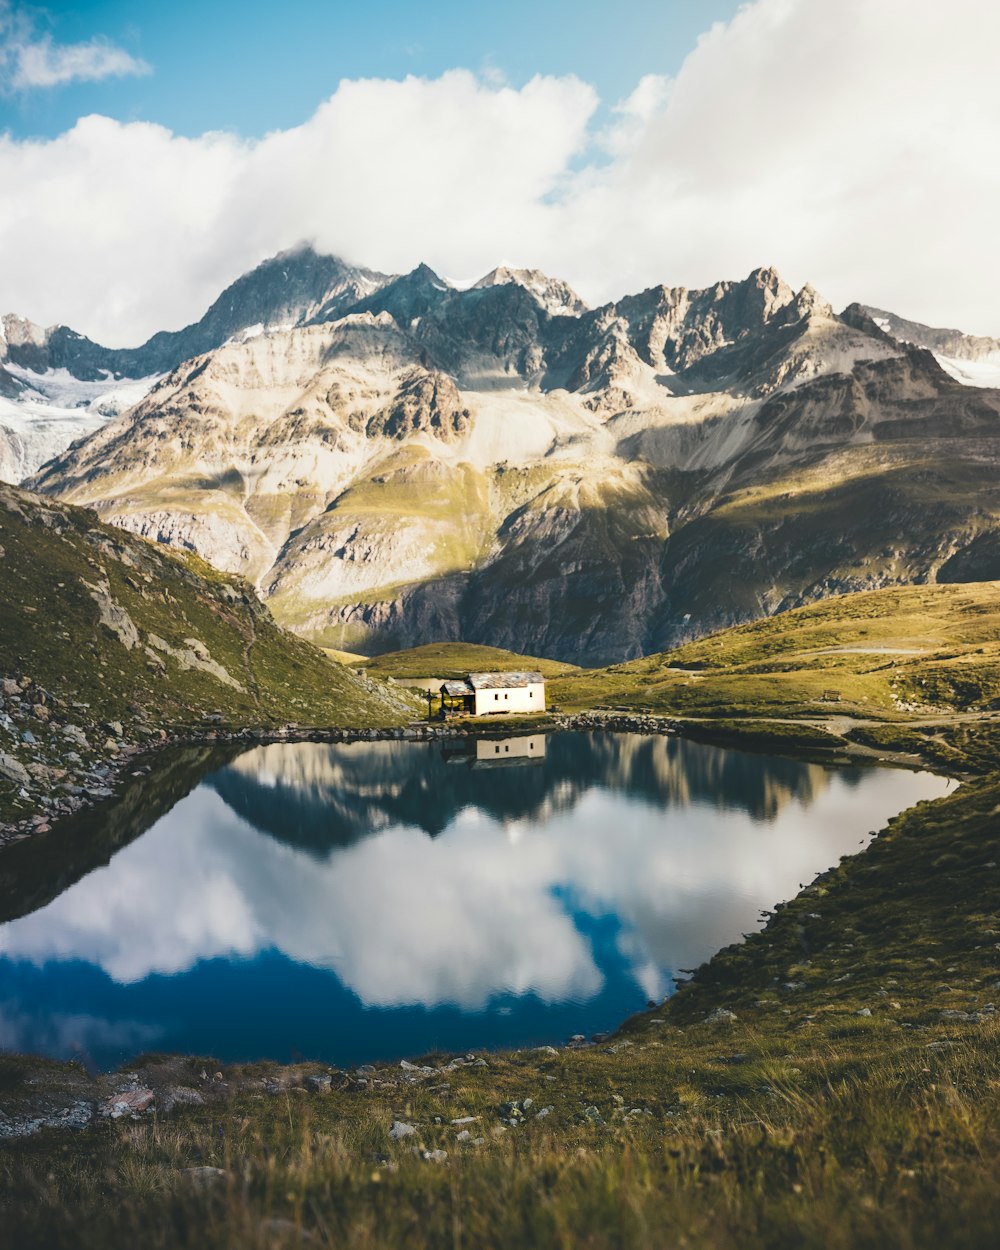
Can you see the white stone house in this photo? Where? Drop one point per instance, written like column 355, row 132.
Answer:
column 494, row 694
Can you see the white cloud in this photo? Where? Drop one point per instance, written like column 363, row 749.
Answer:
column 44, row 64
column 29, row 61
column 847, row 142
column 123, row 229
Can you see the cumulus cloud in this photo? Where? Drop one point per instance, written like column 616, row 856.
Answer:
column 847, row 142
column 29, row 61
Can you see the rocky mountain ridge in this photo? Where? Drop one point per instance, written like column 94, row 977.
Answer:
column 479, row 463
column 972, row 359
column 285, row 290
column 57, row 385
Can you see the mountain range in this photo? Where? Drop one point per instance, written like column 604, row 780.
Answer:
column 393, row 459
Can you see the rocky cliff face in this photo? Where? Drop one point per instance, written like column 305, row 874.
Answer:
column 500, row 464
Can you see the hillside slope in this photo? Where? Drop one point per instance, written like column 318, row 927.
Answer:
column 457, row 659
column 905, row 654
column 107, row 642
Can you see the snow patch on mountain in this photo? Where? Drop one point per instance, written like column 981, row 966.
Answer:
column 54, row 410
column 971, row 359
column 32, row 433
column 982, row 372
column 58, row 388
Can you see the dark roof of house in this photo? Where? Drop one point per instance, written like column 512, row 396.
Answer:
column 503, row 681
column 456, row 688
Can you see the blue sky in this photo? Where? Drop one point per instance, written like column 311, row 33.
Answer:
column 251, row 66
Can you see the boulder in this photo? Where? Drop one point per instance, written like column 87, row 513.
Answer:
column 13, row 770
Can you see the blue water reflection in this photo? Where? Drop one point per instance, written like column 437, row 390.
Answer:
column 375, row 900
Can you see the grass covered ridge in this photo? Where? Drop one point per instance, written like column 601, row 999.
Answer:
column 887, row 654
column 121, row 638
column 458, row 659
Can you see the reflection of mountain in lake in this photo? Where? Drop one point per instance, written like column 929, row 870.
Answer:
column 564, row 893
column 321, row 796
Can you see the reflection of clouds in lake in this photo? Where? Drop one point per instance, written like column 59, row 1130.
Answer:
column 67, row 1034
column 406, row 919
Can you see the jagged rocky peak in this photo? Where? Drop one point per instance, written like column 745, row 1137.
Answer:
column 611, row 361
column 557, row 297
column 409, row 297
column 288, row 289
column 674, row 328
column 760, row 299
column 775, row 291
column 809, row 303
column 16, row 331
column 37, row 348
column 20, row 341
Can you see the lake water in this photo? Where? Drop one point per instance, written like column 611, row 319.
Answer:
column 370, row 901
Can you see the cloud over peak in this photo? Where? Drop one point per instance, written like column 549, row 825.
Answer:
column 847, row 142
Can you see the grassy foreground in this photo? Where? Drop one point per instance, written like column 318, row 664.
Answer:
column 830, row 1082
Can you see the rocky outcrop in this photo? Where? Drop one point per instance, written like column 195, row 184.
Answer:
column 557, row 298
column 425, row 403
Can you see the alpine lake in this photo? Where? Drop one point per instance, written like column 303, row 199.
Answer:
column 371, row 901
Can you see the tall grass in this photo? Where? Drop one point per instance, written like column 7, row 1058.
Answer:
column 902, row 1154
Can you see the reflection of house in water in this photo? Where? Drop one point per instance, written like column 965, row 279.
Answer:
column 499, row 752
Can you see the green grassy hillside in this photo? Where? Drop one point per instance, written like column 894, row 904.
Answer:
column 106, row 640
column 887, row 654
column 458, row 659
